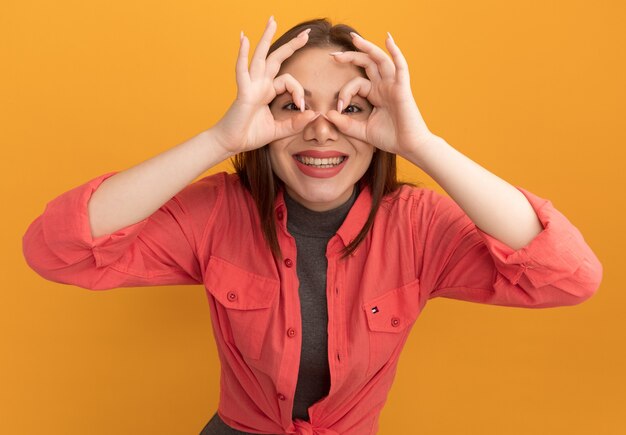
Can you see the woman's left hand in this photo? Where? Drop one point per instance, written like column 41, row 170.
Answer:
column 395, row 124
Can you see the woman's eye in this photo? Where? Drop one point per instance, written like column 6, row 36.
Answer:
column 352, row 108
column 290, row 105
column 358, row 109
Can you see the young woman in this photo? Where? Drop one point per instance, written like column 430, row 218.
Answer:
column 316, row 261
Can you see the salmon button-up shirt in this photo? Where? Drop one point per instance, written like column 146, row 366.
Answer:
column 422, row 245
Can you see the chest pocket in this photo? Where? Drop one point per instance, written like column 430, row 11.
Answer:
column 389, row 317
column 245, row 304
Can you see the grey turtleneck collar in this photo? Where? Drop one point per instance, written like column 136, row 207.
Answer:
column 307, row 222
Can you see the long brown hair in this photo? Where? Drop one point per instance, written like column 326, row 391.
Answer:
column 254, row 167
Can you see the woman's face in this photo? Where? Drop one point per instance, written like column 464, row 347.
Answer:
column 313, row 185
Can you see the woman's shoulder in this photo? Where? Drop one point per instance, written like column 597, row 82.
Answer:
column 218, row 179
column 210, row 191
column 407, row 192
column 218, row 183
column 417, row 196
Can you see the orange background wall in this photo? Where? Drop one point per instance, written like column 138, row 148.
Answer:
column 534, row 91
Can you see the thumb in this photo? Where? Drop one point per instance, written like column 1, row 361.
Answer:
column 347, row 125
column 295, row 124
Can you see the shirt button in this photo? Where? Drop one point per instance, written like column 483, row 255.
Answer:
column 288, row 262
column 395, row 322
column 291, row 332
column 281, row 396
column 280, row 215
column 232, row 296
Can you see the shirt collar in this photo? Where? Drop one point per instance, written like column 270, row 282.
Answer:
column 351, row 226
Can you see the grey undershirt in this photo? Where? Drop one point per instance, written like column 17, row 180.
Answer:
column 312, row 230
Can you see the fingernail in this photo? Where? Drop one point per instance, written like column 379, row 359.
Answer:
column 304, row 32
column 339, row 106
column 302, row 104
column 335, row 53
column 390, row 37
column 241, row 36
column 271, row 19
column 354, row 35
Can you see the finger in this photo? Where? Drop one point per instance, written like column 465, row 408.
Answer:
column 382, row 59
column 287, row 83
column 274, row 60
column 294, row 124
column 357, row 86
column 348, row 125
column 360, row 59
column 257, row 66
column 402, row 67
column 241, row 68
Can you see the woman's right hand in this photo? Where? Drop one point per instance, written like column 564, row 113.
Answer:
column 249, row 124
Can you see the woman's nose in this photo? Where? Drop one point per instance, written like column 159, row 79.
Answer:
column 321, row 129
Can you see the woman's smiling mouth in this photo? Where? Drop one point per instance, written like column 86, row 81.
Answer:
column 314, row 165
column 320, row 163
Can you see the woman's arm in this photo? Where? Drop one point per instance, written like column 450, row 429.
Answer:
column 495, row 206
column 488, row 242
column 146, row 225
column 132, row 195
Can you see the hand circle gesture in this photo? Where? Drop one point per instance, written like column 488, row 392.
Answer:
column 249, row 124
column 395, row 124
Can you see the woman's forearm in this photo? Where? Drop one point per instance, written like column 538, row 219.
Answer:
column 134, row 194
column 495, row 206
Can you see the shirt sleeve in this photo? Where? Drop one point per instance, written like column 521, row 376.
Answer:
column 159, row 250
column 460, row 261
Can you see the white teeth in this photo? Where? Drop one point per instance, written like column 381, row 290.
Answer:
column 323, row 163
